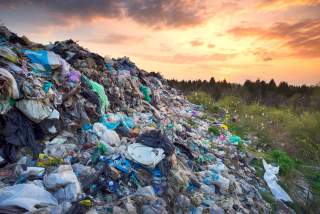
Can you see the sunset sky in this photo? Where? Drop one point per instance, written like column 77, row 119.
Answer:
column 185, row 39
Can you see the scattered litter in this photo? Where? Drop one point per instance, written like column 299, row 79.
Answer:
column 100, row 135
column 26, row 196
column 270, row 176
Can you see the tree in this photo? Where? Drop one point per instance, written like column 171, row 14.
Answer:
column 212, row 81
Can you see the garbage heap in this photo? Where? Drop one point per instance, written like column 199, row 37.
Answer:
column 85, row 134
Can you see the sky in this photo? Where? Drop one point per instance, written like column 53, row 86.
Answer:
column 185, row 39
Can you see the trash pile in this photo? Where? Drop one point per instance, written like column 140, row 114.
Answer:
column 85, row 134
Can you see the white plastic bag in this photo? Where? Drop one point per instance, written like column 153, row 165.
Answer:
column 271, row 179
column 45, row 58
column 26, row 196
column 147, row 193
column 223, row 183
column 29, row 171
column 106, row 135
column 65, row 182
column 13, row 83
column 145, row 155
column 35, row 110
column 59, row 150
column 219, row 167
column 212, row 178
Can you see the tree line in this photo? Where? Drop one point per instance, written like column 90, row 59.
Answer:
column 267, row 93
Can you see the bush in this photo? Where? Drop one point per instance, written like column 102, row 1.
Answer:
column 285, row 162
column 202, row 98
column 214, row 130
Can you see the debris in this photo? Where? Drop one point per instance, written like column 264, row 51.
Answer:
column 65, row 182
column 26, row 196
column 145, row 155
column 270, row 176
column 97, row 135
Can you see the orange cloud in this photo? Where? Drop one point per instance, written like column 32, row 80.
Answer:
column 301, row 37
column 283, row 4
column 210, row 45
column 188, row 59
column 196, row 42
column 116, row 39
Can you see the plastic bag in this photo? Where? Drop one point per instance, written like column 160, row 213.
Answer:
column 47, row 59
column 106, row 135
column 122, row 74
column 146, row 193
column 219, row 167
column 271, row 179
column 26, row 196
column 63, row 179
column 59, row 150
column 8, row 54
column 112, row 121
column 29, row 171
column 99, row 89
column 234, row 139
column 13, row 87
column 146, row 93
column 145, row 155
column 35, row 110
column 218, row 180
column 62, row 176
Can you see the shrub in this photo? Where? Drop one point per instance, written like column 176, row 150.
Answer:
column 285, row 162
column 214, row 130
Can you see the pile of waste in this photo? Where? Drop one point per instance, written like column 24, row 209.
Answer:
column 85, row 134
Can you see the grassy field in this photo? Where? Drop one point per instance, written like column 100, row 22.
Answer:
column 283, row 136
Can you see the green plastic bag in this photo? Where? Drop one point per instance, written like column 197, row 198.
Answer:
column 234, row 139
column 99, row 150
column 99, row 89
column 146, row 92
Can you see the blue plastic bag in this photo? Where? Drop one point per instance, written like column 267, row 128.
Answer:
column 48, row 59
column 112, row 121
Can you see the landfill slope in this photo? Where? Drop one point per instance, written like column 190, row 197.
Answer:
column 80, row 133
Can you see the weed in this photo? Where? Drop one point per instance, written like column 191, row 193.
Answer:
column 284, row 161
column 214, row 130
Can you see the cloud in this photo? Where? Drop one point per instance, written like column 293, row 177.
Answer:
column 188, row 58
column 247, row 31
column 196, row 42
column 116, row 39
column 153, row 13
column 283, row 4
column 264, row 54
column 210, row 45
column 301, row 37
column 165, row 47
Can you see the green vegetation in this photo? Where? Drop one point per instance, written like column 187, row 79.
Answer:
column 284, row 161
column 280, row 135
column 268, row 197
column 296, row 133
column 214, row 130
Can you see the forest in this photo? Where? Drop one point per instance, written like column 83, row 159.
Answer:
column 259, row 91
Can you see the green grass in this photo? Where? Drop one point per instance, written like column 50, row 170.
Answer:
column 296, row 133
column 214, row 130
column 201, row 98
column 257, row 164
column 283, row 160
column 283, row 136
column 268, row 197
